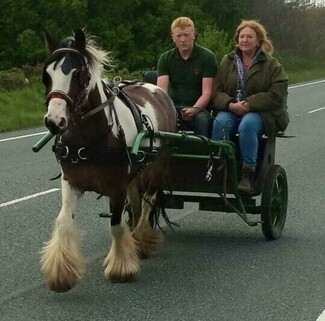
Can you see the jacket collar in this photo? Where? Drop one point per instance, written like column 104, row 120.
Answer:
column 261, row 57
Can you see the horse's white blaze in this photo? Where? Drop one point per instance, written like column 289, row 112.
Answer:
column 60, row 81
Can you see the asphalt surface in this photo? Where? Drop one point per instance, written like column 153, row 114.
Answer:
column 213, row 267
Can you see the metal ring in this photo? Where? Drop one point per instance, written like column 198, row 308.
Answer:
column 117, row 80
column 115, row 90
column 79, row 153
column 66, row 152
column 141, row 155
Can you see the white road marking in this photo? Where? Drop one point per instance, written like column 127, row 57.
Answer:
column 17, row 200
column 23, row 136
column 307, row 84
column 315, row 110
column 321, row 317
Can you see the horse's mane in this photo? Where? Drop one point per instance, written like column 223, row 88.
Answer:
column 98, row 58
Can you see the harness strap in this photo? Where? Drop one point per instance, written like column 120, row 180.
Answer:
column 136, row 112
column 98, row 108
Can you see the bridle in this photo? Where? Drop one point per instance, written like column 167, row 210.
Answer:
column 84, row 79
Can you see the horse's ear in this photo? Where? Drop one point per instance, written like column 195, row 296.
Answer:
column 80, row 40
column 51, row 43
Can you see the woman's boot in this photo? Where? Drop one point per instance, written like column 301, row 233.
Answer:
column 247, row 179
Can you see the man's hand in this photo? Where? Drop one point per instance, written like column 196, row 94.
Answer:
column 189, row 112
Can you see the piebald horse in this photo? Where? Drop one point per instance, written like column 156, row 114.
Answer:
column 95, row 123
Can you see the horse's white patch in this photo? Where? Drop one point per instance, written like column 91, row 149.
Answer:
column 149, row 86
column 126, row 120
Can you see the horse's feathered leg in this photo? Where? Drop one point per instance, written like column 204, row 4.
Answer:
column 122, row 262
column 61, row 258
column 149, row 239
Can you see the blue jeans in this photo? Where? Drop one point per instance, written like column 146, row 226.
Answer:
column 249, row 127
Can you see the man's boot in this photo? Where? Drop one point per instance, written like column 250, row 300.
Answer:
column 247, row 179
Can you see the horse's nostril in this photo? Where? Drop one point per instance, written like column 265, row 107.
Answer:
column 50, row 124
column 62, row 123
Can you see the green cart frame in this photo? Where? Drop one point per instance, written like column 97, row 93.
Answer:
column 206, row 172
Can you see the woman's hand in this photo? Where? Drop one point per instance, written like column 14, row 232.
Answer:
column 239, row 108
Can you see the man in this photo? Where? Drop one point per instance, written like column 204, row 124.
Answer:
column 186, row 72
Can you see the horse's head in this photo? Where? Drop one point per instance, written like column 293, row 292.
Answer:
column 66, row 78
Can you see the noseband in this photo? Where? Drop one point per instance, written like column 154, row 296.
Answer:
column 84, row 78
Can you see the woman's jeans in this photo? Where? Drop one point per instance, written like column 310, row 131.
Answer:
column 249, row 127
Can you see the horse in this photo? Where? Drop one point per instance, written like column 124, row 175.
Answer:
column 95, row 122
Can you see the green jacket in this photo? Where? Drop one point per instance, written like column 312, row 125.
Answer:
column 266, row 90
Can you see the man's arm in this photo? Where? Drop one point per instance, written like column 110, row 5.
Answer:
column 163, row 82
column 204, row 99
column 202, row 102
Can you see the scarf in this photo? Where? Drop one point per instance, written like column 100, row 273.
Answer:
column 241, row 73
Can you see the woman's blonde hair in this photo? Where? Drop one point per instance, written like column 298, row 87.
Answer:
column 262, row 36
column 182, row 22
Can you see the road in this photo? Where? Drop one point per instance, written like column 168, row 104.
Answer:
column 213, row 267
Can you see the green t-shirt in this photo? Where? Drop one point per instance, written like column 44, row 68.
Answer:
column 185, row 76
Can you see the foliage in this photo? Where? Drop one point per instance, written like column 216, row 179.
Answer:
column 12, row 79
column 216, row 40
column 137, row 31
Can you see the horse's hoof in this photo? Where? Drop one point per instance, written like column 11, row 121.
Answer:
column 62, row 288
column 122, row 278
column 149, row 242
column 114, row 274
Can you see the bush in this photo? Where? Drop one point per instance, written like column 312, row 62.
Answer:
column 217, row 41
column 12, row 79
column 19, row 78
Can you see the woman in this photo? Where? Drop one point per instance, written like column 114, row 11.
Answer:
column 250, row 94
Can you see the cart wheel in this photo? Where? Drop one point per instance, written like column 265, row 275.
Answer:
column 274, row 203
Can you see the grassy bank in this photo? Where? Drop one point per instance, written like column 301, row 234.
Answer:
column 24, row 108
column 301, row 70
column 21, row 108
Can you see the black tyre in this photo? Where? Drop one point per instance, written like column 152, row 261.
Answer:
column 274, row 203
